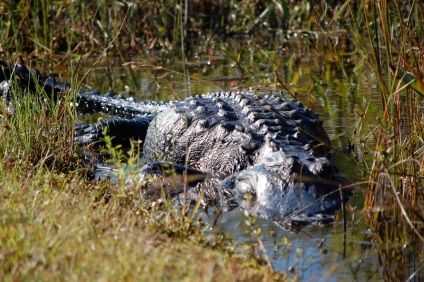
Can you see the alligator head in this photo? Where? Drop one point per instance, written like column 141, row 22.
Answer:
column 283, row 189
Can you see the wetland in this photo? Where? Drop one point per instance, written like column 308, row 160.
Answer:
column 350, row 63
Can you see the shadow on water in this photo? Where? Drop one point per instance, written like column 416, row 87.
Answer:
column 334, row 86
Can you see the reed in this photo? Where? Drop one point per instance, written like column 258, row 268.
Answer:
column 46, row 27
column 388, row 35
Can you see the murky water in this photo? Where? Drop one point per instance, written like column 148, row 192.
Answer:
column 336, row 87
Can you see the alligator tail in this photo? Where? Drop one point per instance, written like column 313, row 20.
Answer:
column 93, row 102
column 122, row 130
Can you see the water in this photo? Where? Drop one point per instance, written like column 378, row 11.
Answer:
column 316, row 252
column 336, row 87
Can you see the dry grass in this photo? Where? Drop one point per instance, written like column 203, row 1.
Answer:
column 56, row 227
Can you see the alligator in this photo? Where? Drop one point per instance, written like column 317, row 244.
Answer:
column 269, row 155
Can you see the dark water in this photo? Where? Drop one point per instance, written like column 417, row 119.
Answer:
column 337, row 87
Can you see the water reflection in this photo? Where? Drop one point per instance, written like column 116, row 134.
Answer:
column 317, row 253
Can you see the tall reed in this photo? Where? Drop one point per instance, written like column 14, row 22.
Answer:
column 388, row 35
column 42, row 27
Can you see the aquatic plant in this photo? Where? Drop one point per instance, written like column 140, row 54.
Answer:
column 388, row 35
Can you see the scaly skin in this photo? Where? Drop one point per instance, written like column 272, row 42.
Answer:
column 274, row 151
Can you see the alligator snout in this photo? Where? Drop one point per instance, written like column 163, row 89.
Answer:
column 289, row 191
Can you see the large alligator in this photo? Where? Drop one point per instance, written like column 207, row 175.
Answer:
column 270, row 154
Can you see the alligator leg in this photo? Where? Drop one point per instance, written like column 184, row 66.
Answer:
column 121, row 129
column 180, row 182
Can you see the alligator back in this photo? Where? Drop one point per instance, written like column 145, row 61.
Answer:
column 229, row 131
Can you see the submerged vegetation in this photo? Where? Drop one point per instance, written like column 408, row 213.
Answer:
column 55, row 223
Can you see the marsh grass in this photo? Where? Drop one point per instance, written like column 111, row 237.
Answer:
column 389, row 37
column 47, row 27
column 37, row 129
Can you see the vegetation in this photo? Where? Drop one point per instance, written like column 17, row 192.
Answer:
column 389, row 36
column 55, row 223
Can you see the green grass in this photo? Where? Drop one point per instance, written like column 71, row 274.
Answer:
column 44, row 28
column 37, row 132
column 57, row 225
